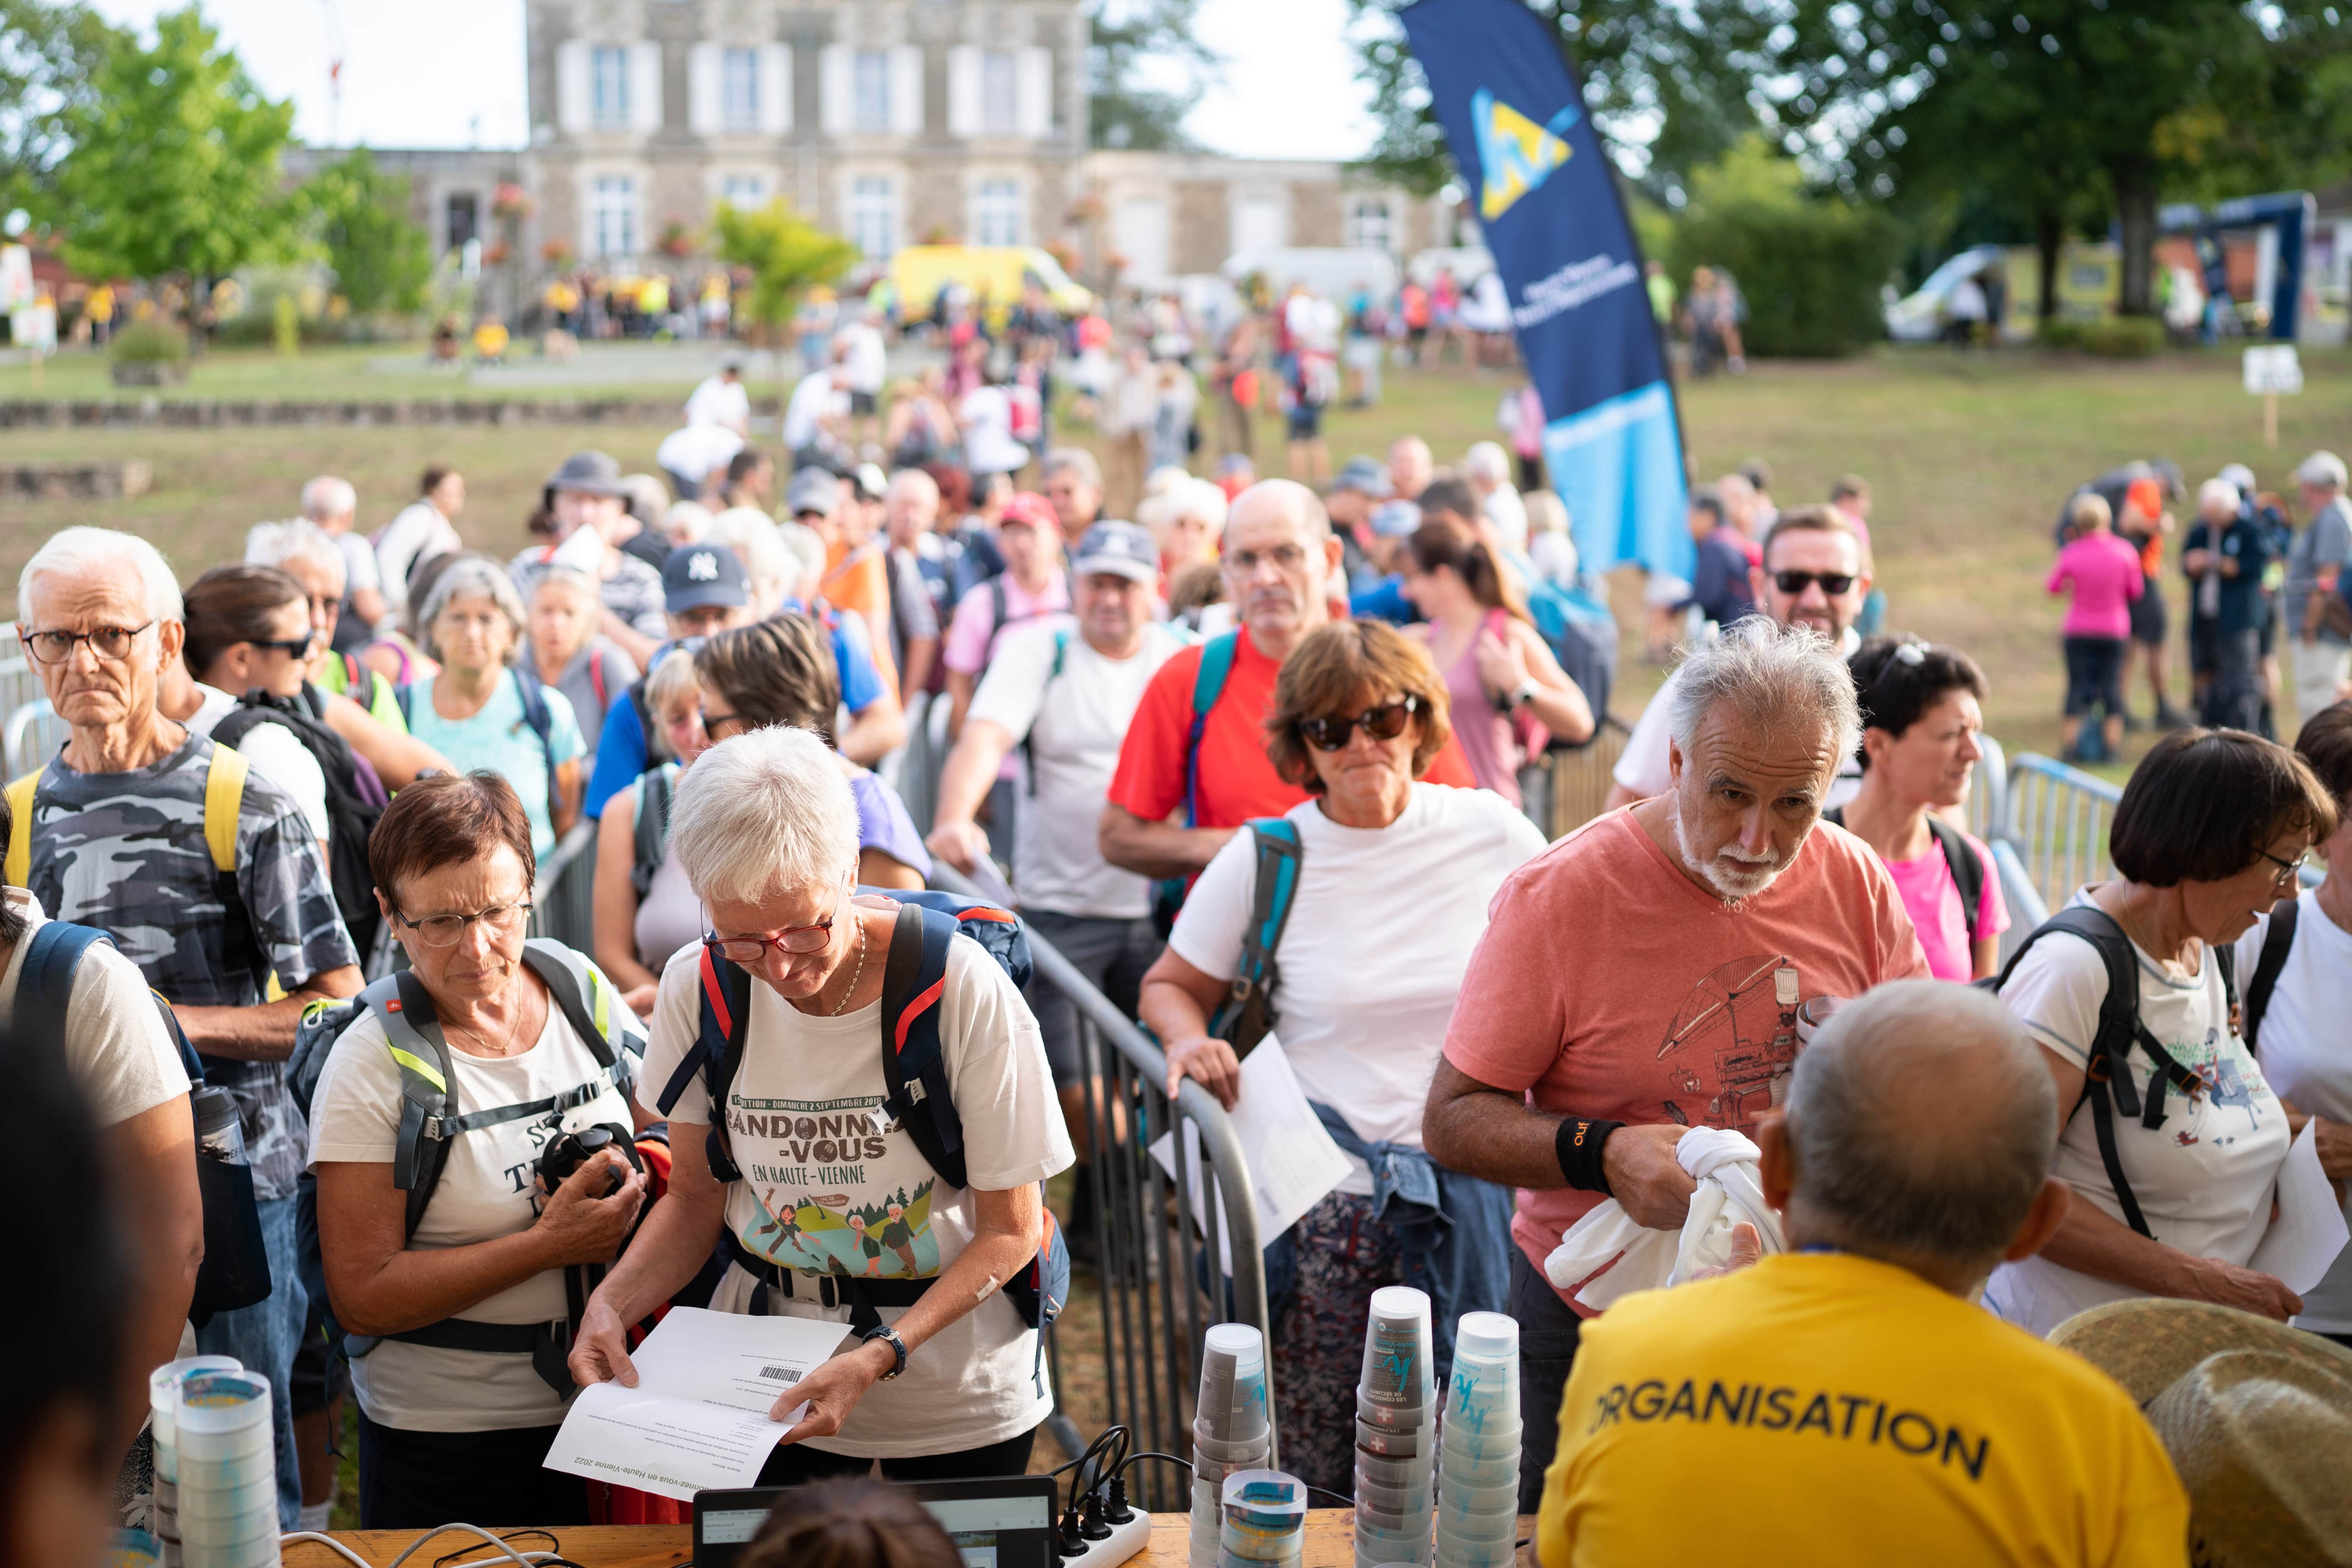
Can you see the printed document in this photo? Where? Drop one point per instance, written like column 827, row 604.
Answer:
column 2302, row 1242
column 698, row 1416
column 1293, row 1164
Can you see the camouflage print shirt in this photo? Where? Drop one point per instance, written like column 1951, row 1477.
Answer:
column 126, row 852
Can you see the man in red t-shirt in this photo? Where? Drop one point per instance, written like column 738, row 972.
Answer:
column 1644, row 976
column 1279, row 560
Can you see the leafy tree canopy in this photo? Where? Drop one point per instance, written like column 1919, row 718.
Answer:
column 1146, row 69
column 383, row 259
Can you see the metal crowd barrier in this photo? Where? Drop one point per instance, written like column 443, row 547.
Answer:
column 1151, row 1248
column 564, row 905
column 2055, row 818
column 33, row 732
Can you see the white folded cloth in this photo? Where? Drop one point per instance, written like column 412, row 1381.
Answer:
column 1723, row 1164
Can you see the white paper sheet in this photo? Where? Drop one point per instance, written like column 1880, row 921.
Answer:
column 2302, row 1242
column 698, row 1416
column 991, row 881
column 1293, row 1164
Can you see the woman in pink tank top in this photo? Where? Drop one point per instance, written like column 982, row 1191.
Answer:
column 1509, row 695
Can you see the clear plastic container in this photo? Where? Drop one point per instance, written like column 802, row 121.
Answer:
column 1456, row 1552
column 163, row 1404
column 225, row 1502
column 1249, row 1451
column 234, row 1530
column 1482, row 1526
column 1487, row 1336
column 222, row 1416
column 1475, row 1444
column 1478, row 1475
column 1473, row 1499
column 1396, row 1348
column 1394, row 1442
column 1393, row 1473
column 1231, row 1408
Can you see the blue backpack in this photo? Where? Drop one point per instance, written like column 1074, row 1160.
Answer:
column 919, row 1097
column 1577, row 625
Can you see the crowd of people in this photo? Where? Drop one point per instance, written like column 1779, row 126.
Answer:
column 1249, row 754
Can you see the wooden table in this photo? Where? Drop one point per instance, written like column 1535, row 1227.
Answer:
column 1330, row 1544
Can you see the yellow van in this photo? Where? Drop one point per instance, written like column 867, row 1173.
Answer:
column 996, row 273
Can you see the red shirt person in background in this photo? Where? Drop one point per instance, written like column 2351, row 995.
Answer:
column 1279, row 559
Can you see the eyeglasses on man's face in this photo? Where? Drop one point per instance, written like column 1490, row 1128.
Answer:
column 109, row 643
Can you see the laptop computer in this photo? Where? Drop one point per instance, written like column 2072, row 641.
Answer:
column 1001, row 1523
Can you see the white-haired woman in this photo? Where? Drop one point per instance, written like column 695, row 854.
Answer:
column 480, row 711
column 644, row 911
column 945, row 1382
column 1188, row 519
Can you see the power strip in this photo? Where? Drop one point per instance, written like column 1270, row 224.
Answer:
column 1123, row 1542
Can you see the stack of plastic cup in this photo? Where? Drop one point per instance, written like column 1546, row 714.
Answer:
column 163, row 1406
column 227, row 1460
column 1478, row 1460
column 1231, row 1431
column 1264, row 1521
column 1396, row 1431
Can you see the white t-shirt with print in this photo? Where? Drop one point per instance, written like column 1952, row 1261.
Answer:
column 116, row 1050
column 2307, row 1053
column 489, row 1189
column 820, row 1185
column 1075, row 722
column 2203, row 1180
column 276, row 753
column 1381, row 932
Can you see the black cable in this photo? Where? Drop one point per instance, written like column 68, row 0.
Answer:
column 1335, row 1497
column 1171, row 1458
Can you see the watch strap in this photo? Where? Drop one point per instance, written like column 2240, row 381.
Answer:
column 898, row 1347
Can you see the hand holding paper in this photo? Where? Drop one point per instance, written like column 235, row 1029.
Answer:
column 2303, row 1241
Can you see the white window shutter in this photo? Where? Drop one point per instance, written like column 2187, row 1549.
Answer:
column 837, row 85
column 1036, row 93
column 705, row 109
column 963, row 91
column 571, row 86
column 907, row 90
column 775, row 90
column 645, row 87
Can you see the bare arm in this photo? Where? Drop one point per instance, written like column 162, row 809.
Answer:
column 265, row 1031
column 564, row 809
column 2091, row 1241
column 614, row 903
column 920, row 654
column 1494, row 1133
column 1175, row 1003
column 153, row 1155
column 879, row 868
column 369, row 606
column 1156, row 849
column 875, row 732
column 380, row 1285
column 1559, row 701
column 959, row 688
column 964, row 782
column 397, row 758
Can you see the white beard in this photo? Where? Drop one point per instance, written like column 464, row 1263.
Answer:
column 1734, row 880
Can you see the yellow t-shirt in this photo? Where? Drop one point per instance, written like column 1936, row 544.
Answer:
column 1823, row 1409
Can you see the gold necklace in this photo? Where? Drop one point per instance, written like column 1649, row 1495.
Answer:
column 856, row 974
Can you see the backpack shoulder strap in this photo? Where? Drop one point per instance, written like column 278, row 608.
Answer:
column 914, row 1060
column 998, row 602
column 224, row 799
column 586, row 997
column 1968, row 868
column 413, row 1034
column 651, row 830
column 404, row 697
column 533, row 696
column 45, row 985
column 20, row 792
column 1208, row 684
column 2277, row 943
column 1279, row 853
column 716, row 1055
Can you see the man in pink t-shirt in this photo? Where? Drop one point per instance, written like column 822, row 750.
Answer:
column 1645, row 975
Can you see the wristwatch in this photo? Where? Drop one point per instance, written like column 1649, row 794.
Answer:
column 1523, row 693
column 898, row 1346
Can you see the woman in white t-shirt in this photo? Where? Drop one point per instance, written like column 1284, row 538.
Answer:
column 2301, row 1030
column 1393, row 882
column 835, row 1204
column 456, row 1410
column 2210, row 833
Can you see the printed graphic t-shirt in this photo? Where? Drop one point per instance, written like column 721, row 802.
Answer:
column 825, row 1194
column 489, row 1189
column 2202, row 1179
column 1945, row 1437
column 125, row 852
column 1610, row 984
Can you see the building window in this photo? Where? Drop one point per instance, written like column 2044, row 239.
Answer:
column 870, row 91
column 1000, row 92
column 744, row 192
column 465, row 221
column 608, row 79
column 613, row 214
column 874, row 217
column 739, row 90
column 1369, row 227
column 996, row 212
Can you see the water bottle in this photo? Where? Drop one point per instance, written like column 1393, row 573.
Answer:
column 235, row 1271
column 218, row 1136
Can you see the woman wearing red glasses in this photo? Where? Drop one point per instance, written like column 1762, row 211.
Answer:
column 1394, row 875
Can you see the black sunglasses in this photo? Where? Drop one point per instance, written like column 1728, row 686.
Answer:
column 292, row 647
column 1793, row 583
column 1385, row 723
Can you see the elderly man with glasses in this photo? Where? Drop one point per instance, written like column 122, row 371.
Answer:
column 206, row 875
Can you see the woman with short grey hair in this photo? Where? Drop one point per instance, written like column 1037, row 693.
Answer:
column 480, row 711
column 836, row 1215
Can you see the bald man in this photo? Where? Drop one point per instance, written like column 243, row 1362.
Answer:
column 1850, row 1390
column 1279, row 561
column 1411, row 467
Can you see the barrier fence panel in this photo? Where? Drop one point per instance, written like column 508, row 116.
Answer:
column 32, row 734
column 563, row 906
column 1151, row 1239
column 2056, row 820
column 1579, row 780
column 1988, row 796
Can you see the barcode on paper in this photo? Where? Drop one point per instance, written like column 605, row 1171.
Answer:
column 779, row 1375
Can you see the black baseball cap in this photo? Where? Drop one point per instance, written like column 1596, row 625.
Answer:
column 699, row 575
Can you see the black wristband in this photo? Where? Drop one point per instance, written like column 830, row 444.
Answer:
column 1577, row 1146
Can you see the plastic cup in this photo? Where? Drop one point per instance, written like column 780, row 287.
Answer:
column 224, row 1502
column 133, row 1549
column 1474, row 1444
column 1234, row 1560
column 1396, row 1526
column 1372, row 1553
column 1410, row 1496
column 222, row 1416
column 1396, row 1348
column 1487, row 1336
column 1394, row 1442
column 1454, row 1495
column 231, row 1530
column 1459, row 1554
column 1232, row 1403
column 1396, row 1472
column 1480, row 1475
column 1249, row 1451
column 163, row 1404
column 1404, row 1416
column 1484, row 1525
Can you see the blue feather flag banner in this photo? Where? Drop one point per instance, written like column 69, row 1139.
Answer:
column 1546, row 200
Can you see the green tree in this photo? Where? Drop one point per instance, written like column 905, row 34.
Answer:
column 1124, row 109
column 786, row 256
column 173, row 161
column 1668, row 85
column 49, row 56
column 383, row 259
column 2054, row 98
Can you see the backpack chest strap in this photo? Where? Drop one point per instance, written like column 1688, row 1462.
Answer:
column 579, row 1094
